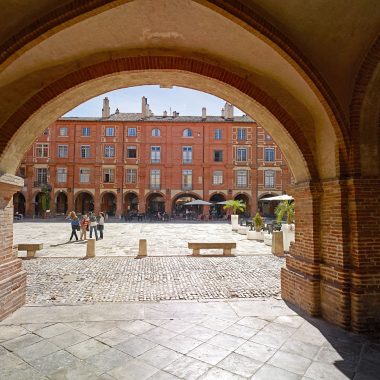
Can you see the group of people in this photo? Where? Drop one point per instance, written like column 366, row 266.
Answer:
column 86, row 223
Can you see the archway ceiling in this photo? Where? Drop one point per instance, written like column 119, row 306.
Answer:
column 188, row 28
column 333, row 35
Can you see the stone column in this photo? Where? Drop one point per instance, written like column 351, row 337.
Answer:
column 12, row 277
column 119, row 205
column 300, row 279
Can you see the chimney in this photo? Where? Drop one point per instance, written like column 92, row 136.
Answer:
column 229, row 111
column 106, row 108
column 204, row 113
column 165, row 114
column 223, row 113
column 144, row 107
column 174, row 114
column 117, row 111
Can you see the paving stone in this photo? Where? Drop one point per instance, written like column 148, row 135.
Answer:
column 219, row 373
column 268, row 372
column 158, row 335
column 159, row 356
column 188, row 368
column 69, row 338
column 269, row 339
column 209, row 353
column 307, row 350
column 54, row 362
column 21, row 372
column 35, row 326
column 93, row 328
column 37, row 350
column 109, row 359
column 53, row 330
column 81, row 371
column 367, row 370
column 200, row 333
column 161, row 375
column 325, row 371
column 87, row 348
column 21, row 342
column 256, row 351
column 226, row 341
column 240, row 365
column 11, row 332
column 9, row 361
column 182, row 343
column 135, row 346
column 347, row 361
column 253, row 322
column 290, row 362
column 177, row 326
column 240, row 331
column 114, row 337
column 133, row 370
column 135, row 327
column 290, row 320
column 216, row 324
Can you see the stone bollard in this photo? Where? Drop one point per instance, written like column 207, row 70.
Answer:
column 278, row 243
column 143, row 252
column 90, row 252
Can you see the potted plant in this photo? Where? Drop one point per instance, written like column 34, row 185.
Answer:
column 234, row 206
column 258, row 234
column 286, row 208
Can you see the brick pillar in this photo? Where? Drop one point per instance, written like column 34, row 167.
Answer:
column 12, row 277
column 300, row 279
column 364, row 216
column 119, row 205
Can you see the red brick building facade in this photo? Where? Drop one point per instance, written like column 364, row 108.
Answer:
column 140, row 161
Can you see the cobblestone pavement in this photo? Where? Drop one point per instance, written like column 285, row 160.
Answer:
column 121, row 279
column 121, row 239
column 236, row 340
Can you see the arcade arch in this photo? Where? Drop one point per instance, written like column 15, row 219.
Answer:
column 109, row 203
column 236, row 55
column 84, row 202
column 19, row 203
column 155, row 202
column 61, row 203
column 131, row 202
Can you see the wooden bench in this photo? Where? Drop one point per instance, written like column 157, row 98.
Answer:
column 30, row 249
column 196, row 247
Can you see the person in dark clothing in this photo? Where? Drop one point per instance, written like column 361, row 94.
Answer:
column 72, row 217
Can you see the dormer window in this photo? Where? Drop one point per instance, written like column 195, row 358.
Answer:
column 187, row 133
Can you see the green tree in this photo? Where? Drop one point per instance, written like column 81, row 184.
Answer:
column 235, row 205
column 285, row 208
column 258, row 222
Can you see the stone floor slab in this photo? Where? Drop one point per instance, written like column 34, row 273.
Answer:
column 240, row 365
column 159, row 357
column 188, row 368
column 290, row 362
column 87, row 348
column 209, row 353
column 268, row 372
column 133, row 370
column 108, row 360
column 136, row 346
column 37, row 350
column 256, row 351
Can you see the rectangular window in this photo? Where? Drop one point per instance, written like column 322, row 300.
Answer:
column 63, row 151
column 131, row 176
column 155, row 179
column 84, row 175
column 21, row 172
column 85, row 151
column 108, row 175
column 109, row 151
column 218, row 155
column 61, row 175
column 155, row 154
column 187, row 179
column 269, row 178
column 63, row 131
column 242, row 134
column 218, row 133
column 241, row 178
column 42, row 150
column 131, row 152
column 86, row 131
column 110, row 131
column 217, row 177
column 132, row 132
column 269, row 154
column 187, row 154
column 41, row 175
column 241, row 154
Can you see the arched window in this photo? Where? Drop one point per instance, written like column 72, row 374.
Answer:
column 156, row 132
column 187, row 132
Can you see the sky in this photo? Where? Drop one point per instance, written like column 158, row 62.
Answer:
column 185, row 101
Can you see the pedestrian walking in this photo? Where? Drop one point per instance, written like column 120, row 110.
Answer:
column 72, row 217
column 93, row 225
column 84, row 227
column 101, row 225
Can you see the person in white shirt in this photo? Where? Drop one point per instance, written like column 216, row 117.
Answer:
column 101, row 224
column 93, row 225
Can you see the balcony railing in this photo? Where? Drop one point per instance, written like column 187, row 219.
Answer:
column 155, row 186
column 39, row 183
column 155, row 160
column 187, row 187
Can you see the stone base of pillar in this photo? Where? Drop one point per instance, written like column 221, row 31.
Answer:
column 12, row 286
column 301, row 291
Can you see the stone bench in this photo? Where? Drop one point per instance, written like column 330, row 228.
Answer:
column 196, row 247
column 30, row 249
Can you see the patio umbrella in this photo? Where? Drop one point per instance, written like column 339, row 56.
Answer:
column 198, row 202
column 283, row 197
column 222, row 203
